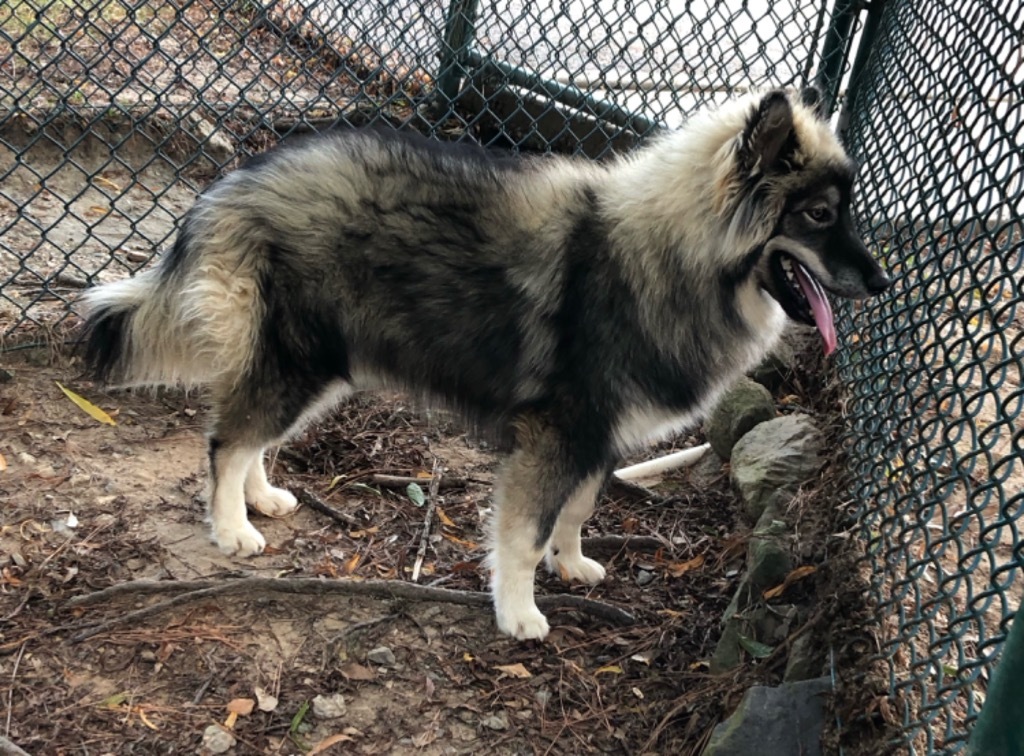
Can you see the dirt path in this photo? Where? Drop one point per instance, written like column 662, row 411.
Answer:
column 87, row 506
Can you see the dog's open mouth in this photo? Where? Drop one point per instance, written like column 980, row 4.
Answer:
column 802, row 297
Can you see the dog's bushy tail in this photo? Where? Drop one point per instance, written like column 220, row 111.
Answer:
column 182, row 323
column 131, row 332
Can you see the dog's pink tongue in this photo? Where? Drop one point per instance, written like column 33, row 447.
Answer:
column 820, row 307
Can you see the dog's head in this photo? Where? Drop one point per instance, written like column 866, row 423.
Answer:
column 787, row 189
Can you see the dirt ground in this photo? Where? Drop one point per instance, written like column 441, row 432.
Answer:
column 88, row 506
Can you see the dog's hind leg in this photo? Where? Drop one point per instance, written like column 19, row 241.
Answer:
column 263, row 497
column 249, row 417
column 537, row 480
column 230, row 463
column 564, row 555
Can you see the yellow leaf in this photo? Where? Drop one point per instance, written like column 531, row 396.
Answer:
column 335, row 481
column 465, row 544
column 467, row 657
column 230, row 721
column 514, row 670
column 107, row 183
column 363, row 533
column 88, row 407
column 680, row 568
column 445, row 520
column 327, row 742
column 352, row 563
column 792, row 577
column 3, row 463
column 611, row 669
column 145, row 720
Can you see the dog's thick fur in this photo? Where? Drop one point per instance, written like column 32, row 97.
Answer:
column 577, row 309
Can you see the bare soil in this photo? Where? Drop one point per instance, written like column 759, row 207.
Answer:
column 88, row 506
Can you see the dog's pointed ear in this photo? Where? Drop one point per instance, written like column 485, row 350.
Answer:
column 812, row 98
column 769, row 138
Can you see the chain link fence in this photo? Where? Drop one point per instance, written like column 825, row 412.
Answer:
column 936, row 436
column 114, row 113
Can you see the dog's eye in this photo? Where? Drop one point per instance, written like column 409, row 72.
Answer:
column 819, row 214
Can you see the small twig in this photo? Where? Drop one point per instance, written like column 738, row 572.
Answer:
column 331, row 649
column 18, row 608
column 7, row 748
column 10, row 693
column 316, row 504
column 431, row 504
column 402, row 481
column 316, row 586
column 617, row 543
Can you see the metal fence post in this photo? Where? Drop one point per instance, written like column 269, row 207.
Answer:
column 999, row 730
column 458, row 34
column 868, row 40
column 834, row 51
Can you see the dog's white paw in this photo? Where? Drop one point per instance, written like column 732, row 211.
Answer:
column 581, row 568
column 241, row 540
column 274, row 502
column 523, row 623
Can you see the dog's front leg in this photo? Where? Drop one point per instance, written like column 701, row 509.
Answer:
column 534, row 487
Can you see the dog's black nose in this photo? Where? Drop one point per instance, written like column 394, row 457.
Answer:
column 879, row 282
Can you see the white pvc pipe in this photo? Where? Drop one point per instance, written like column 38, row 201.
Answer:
column 675, row 460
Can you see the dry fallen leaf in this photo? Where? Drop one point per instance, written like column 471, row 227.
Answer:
column 445, row 520
column 3, row 463
column 514, row 670
column 264, row 701
column 327, row 742
column 792, row 577
column 351, row 564
column 465, row 544
column 356, row 671
column 88, row 407
column 611, row 669
column 679, row 568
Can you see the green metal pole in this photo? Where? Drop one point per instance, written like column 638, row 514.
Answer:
column 459, row 28
column 999, row 730
column 834, row 52
column 562, row 93
column 868, row 42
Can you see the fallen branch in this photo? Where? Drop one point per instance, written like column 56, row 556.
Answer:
column 315, row 503
column 402, row 481
column 202, row 589
column 618, row 543
column 431, row 504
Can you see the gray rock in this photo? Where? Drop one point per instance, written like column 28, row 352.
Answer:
column 783, row 721
column 804, row 661
column 497, row 721
column 768, row 562
column 382, row 655
column 742, row 407
column 329, row 707
column 217, row 740
column 643, row 577
column 728, row 653
column 771, row 461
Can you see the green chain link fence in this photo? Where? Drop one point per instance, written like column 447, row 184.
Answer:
column 935, row 388
column 114, row 113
